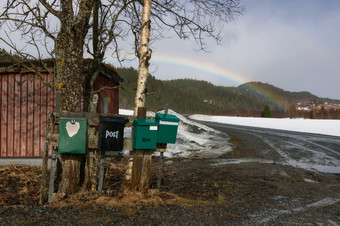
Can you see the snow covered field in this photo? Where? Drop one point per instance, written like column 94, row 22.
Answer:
column 193, row 139
column 197, row 140
column 326, row 127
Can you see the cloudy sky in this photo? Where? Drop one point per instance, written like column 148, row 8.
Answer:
column 293, row 44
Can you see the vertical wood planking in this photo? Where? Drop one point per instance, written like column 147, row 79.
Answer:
column 10, row 116
column 30, row 118
column 23, row 114
column 43, row 117
column 4, row 103
column 0, row 113
column 17, row 116
column 23, row 119
column 36, row 117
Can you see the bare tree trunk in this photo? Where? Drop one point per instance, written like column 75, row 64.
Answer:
column 142, row 158
column 70, row 67
column 144, row 56
column 70, row 79
column 69, row 46
column 70, row 181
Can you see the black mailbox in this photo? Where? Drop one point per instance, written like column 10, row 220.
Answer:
column 111, row 133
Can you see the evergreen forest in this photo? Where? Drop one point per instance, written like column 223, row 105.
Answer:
column 188, row 96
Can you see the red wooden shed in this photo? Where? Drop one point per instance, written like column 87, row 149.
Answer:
column 25, row 101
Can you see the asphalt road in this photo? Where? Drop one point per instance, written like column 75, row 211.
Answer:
column 313, row 152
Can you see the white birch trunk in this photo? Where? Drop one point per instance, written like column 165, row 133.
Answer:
column 143, row 72
column 144, row 56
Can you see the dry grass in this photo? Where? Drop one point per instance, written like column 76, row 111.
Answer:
column 19, row 185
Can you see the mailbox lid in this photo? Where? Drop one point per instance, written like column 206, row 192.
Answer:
column 145, row 122
column 145, row 133
column 72, row 135
column 110, row 119
column 111, row 133
column 167, row 117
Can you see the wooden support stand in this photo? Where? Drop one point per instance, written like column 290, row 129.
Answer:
column 49, row 131
column 160, row 148
column 51, row 140
column 141, row 163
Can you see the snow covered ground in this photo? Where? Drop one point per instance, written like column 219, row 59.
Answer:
column 326, row 127
column 197, row 140
column 193, row 139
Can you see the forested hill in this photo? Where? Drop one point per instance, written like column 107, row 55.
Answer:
column 189, row 96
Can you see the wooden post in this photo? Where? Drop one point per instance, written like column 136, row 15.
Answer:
column 160, row 170
column 162, row 148
column 141, row 163
column 45, row 158
column 102, row 157
column 53, row 168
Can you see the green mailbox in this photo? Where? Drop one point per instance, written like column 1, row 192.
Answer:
column 72, row 135
column 145, row 133
column 167, row 128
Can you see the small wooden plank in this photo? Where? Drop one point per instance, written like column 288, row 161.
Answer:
column 92, row 141
column 127, row 144
column 161, row 148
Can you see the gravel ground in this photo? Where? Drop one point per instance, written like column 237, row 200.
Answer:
column 194, row 192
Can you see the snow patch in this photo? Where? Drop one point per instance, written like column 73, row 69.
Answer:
column 193, row 139
column 317, row 126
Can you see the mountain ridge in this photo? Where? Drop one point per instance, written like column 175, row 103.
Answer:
column 188, row 96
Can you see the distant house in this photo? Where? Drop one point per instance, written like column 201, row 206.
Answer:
column 26, row 100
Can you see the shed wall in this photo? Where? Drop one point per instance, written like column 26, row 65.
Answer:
column 112, row 94
column 23, row 114
column 24, row 108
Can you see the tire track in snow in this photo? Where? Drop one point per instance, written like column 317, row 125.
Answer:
column 305, row 138
column 277, row 149
column 319, row 204
column 269, row 136
column 292, row 162
column 317, row 154
column 325, row 148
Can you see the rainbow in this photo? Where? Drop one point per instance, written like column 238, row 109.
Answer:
column 216, row 71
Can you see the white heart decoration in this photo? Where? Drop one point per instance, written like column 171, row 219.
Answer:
column 72, row 129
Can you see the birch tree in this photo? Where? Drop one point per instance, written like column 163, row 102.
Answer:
column 144, row 55
column 59, row 29
column 62, row 30
column 190, row 19
column 194, row 20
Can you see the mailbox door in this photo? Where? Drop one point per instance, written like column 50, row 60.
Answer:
column 145, row 134
column 111, row 133
column 72, row 135
column 167, row 130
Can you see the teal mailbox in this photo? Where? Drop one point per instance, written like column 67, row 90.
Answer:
column 72, row 135
column 145, row 134
column 167, row 128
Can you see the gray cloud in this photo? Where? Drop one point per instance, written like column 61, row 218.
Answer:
column 294, row 45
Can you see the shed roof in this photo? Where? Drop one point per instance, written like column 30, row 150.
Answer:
column 47, row 65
